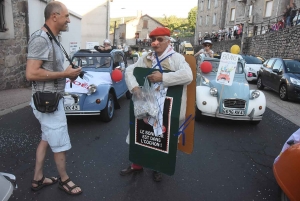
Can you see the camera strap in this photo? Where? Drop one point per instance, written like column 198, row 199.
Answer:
column 51, row 36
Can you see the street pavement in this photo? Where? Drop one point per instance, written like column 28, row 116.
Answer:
column 231, row 161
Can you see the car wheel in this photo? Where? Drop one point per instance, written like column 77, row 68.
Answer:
column 283, row 196
column 108, row 112
column 128, row 94
column 198, row 114
column 283, row 92
column 259, row 83
column 254, row 122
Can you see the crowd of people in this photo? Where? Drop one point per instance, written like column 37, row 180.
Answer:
column 289, row 18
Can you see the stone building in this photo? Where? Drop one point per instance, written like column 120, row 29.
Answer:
column 210, row 17
column 231, row 12
column 140, row 27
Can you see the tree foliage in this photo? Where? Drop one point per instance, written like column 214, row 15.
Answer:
column 192, row 18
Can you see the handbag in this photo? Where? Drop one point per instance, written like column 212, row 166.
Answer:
column 47, row 101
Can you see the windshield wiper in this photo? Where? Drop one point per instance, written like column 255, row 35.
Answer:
column 102, row 65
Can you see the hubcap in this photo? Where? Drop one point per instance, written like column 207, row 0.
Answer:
column 282, row 92
column 110, row 108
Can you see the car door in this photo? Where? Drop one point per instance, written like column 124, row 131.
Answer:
column 276, row 74
column 267, row 72
column 120, row 86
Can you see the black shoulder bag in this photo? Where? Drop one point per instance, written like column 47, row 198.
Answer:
column 47, row 101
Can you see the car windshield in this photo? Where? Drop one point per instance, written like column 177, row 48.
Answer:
column 92, row 62
column 215, row 65
column 251, row 60
column 189, row 49
column 292, row 66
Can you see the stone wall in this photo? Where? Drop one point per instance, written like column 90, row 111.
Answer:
column 284, row 44
column 13, row 51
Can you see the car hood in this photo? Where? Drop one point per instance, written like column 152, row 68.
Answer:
column 256, row 67
column 239, row 88
column 81, row 85
column 294, row 75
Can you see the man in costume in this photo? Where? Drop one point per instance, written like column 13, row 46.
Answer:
column 168, row 60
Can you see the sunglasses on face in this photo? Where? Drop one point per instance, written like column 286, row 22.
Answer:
column 206, row 45
column 159, row 39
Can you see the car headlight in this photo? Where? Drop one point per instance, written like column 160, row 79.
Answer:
column 251, row 69
column 295, row 81
column 255, row 94
column 92, row 89
column 213, row 91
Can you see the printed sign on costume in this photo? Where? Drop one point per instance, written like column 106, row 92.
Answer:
column 227, row 67
column 145, row 136
column 150, row 151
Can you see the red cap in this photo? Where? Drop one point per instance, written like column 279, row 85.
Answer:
column 160, row 31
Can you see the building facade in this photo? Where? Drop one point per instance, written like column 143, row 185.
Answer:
column 232, row 12
column 140, row 27
column 21, row 19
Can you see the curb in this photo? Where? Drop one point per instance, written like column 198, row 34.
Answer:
column 14, row 108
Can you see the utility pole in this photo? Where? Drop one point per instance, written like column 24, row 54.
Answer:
column 114, row 42
column 246, row 24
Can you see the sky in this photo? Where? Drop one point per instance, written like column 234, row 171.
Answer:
column 154, row 8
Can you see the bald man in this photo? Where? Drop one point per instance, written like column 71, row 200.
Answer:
column 44, row 65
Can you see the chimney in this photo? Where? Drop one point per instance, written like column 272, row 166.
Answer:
column 139, row 13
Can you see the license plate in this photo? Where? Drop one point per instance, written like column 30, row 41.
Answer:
column 234, row 112
column 72, row 107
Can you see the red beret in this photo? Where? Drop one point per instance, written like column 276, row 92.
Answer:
column 160, row 31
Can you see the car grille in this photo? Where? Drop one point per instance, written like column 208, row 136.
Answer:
column 234, row 103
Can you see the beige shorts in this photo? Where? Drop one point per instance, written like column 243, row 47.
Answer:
column 54, row 128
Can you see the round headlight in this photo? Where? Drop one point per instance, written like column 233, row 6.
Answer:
column 255, row 94
column 92, row 88
column 213, row 91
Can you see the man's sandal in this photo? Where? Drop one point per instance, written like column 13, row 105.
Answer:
column 40, row 183
column 61, row 185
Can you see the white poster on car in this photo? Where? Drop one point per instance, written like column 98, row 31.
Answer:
column 227, row 67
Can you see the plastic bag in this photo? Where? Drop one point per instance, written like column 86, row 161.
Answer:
column 144, row 102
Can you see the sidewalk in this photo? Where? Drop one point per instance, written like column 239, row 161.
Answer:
column 14, row 99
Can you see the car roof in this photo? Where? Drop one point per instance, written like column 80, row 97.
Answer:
column 88, row 52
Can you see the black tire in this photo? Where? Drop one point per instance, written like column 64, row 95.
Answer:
column 255, row 122
column 259, row 83
column 283, row 94
column 128, row 94
column 198, row 115
column 108, row 113
column 283, row 196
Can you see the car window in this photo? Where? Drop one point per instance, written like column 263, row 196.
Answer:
column 251, row 60
column 189, row 48
column 215, row 66
column 270, row 63
column 277, row 65
column 292, row 66
column 92, row 62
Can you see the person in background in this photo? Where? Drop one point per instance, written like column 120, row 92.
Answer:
column 105, row 48
column 207, row 44
column 293, row 13
column 287, row 16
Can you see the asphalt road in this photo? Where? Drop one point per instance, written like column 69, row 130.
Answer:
column 232, row 161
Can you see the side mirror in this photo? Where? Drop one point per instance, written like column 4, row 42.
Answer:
column 276, row 71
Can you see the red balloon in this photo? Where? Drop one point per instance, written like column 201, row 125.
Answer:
column 206, row 67
column 116, row 75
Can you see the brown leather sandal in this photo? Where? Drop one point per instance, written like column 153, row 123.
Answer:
column 61, row 185
column 40, row 183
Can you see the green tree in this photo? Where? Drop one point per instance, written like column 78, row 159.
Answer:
column 192, row 17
